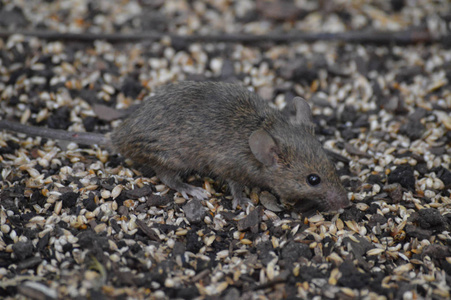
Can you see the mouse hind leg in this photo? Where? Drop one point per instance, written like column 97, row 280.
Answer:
column 172, row 179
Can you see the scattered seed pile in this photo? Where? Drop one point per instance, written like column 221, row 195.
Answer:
column 81, row 223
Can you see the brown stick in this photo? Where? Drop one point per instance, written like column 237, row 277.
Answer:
column 363, row 37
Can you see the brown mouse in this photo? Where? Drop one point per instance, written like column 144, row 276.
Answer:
column 223, row 130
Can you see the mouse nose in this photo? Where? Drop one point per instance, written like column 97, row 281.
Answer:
column 338, row 200
column 344, row 201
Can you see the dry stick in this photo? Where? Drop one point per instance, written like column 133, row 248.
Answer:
column 373, row 37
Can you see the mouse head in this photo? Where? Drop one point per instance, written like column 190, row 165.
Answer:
column 295, row 165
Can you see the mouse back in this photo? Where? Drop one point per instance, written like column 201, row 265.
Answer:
column 226, row 131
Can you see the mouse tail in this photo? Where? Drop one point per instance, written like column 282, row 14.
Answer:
column 84, row 138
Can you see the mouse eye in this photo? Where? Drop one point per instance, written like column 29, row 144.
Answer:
column 313, row 179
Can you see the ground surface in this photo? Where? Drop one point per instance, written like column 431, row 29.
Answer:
column 81, row 223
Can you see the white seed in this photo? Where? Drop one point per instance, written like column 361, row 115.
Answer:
column 222, row 254
column 105, row 194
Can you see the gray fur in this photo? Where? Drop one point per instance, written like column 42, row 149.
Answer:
column 207, row 127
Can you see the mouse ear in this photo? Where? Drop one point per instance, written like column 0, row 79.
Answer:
column 263, row 147
column 303, row 114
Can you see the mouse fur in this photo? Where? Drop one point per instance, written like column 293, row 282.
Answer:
column 226, row 131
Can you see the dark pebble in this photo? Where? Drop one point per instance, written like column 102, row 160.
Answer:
column 115, row 160
column 350, row 133
column 12, row 18
column 231, row 294
column 422, row 168
column 194, row 211
column 437, row 251
column 418, row 114
column 430, row 218
column 69, row 199
column 89, row 95
column 337, row 70
column 349, row 114
column 397, row 5
column 155, row 200
column 352, row 213
column 38, row 198
column 178, row 249
column 413, row 129
column 115, row 225
column 29, row 263
column 152, row 19
column 353, row 184
column 319, row 101
column 67, row 247
column 135, row 248
column 88, row 238
column 190, row 292
column 43, row 242
column 395, row 194
column 131, row 87
column 166, row 228
column 28, row 216
column 438, row 150
column 444, row 175
column 228, row 216
column 60, row 119
column 97, row 294
column 377, row 219
column 407, row 74
column 89, row 123
column 141, row 208
column 328, row 246
column 251, row 221
column 351, row 277
column 265, row 252
column 125, row 278
column 359, row 250
column 292, row 251
column 375, row 179
column 148, row 231
column 362, row 121
column 298, row 72
column 446, row 266
column 193, row 241
column 23, row 250
column 417, row 232
column 139, row 192
column 403, row 175
column 89, row 203
column 121, row 198
column 309, row 272
column 11, row 147
column 123, row 211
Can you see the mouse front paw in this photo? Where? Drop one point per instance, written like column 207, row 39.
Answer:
column 239, row 197
column 241, row 201
column 196, row 192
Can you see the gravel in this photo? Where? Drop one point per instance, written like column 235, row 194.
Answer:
column 80, row 222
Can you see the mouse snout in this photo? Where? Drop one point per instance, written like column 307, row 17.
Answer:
column 338, row 200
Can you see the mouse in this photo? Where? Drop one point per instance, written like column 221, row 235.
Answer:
column 226, row 131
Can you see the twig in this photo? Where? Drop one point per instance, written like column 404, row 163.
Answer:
column 363, row 37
